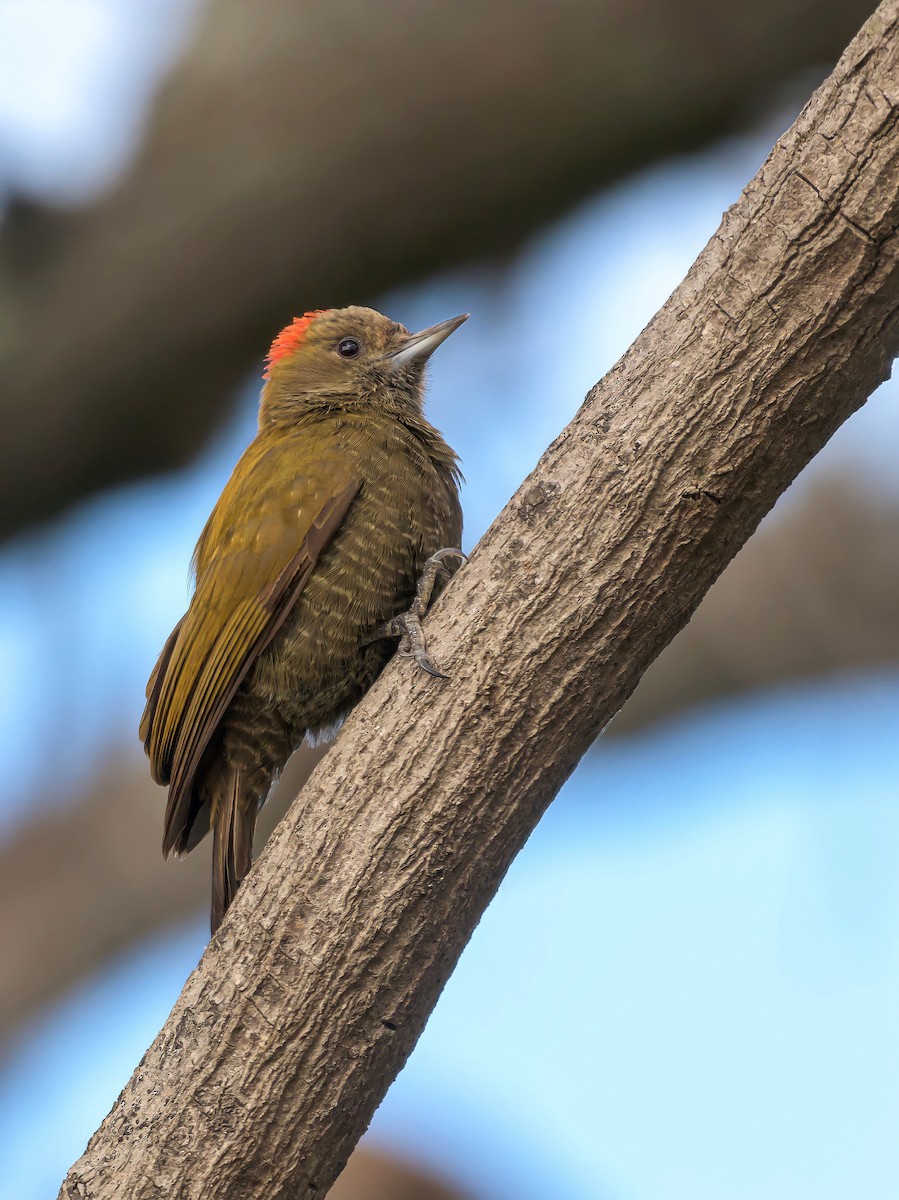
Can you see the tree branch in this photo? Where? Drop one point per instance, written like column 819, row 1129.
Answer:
column 322, row 154
column 812, row 594
column 306, row 1005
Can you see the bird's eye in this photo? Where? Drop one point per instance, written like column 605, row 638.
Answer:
column 348, row 348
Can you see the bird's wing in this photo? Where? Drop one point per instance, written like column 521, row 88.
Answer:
column 254, row 558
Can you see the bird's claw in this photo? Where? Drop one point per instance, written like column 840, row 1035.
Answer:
column 448, row 552
column 407, row 625
column 423, row 659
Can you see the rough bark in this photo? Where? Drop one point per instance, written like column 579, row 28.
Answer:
column 813, row 593
column 310, row 154
column 309, row 1000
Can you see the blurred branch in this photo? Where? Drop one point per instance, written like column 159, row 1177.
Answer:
column 813, row 592
column 310, row 998
column 311, row 154
column 87, row 879
column 378, row 1175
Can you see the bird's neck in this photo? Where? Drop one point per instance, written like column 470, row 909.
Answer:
column 372, row 427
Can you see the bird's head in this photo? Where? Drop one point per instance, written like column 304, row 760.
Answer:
column 345, row 358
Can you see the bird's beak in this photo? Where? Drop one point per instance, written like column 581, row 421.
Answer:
column 422, row 345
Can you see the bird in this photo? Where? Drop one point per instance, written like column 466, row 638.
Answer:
column 339, row 523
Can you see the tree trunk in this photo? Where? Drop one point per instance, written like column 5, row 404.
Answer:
column 309, row 1000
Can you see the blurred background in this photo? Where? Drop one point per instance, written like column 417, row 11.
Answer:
column 687, row 986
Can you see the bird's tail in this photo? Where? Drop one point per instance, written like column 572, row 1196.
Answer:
column 233, row 824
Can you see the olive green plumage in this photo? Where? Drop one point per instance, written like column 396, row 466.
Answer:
column 318, row 539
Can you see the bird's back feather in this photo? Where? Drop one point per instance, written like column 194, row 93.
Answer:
column 255, row 557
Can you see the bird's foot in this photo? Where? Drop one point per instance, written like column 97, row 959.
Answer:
column 407, row 625
column 434, row 567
